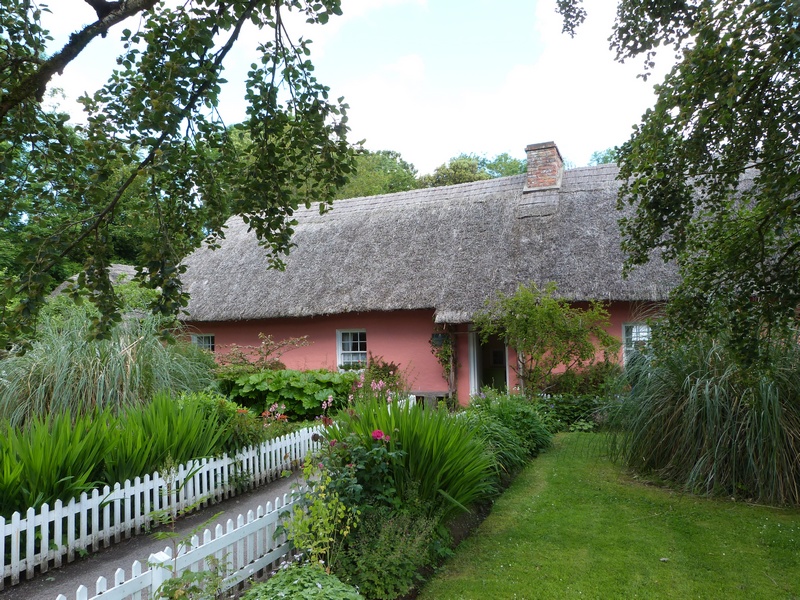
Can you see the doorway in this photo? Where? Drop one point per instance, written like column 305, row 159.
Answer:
column 488, row 363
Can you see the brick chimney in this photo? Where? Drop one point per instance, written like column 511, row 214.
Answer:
column 545, row 167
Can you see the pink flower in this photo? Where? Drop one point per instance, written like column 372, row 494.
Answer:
column 378, row 435
column 332, row 443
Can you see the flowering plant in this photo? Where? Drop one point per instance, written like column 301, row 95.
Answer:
column 363, row 470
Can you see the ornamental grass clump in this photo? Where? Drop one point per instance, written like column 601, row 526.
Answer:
column 63, row 371
column 699, row 419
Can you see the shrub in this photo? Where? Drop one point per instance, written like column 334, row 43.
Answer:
column 363, row 472
column 503, row 442
column 241, row 360
column 241, row 428
column 446, row 457
column 385, row 555
column 571, row 412
column 518, row 414
column 301, row 392
column 302, row 582
column 599, row 379
column 697, row 418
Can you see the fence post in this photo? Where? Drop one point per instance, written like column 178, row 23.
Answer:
column 160, row 571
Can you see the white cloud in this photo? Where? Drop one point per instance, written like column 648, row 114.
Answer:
column 574, row 93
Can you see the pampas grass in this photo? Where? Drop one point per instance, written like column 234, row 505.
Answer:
column 697, row 419
column 64, row 372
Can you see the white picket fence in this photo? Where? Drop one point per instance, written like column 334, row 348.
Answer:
column 242, row 551
column 53, row 535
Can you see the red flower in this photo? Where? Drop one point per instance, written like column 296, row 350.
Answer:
column 378, row 435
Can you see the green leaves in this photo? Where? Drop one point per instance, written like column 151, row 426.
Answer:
column 445, row 458
column 154, row 172
column 711, row 172
column 302, row 392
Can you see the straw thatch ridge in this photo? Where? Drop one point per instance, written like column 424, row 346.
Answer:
column 446, row 249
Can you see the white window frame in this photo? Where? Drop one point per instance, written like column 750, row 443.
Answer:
column 341, row 353
column 640, row 334
column 205, row 341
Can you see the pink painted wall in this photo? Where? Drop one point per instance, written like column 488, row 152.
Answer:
column 401, row 337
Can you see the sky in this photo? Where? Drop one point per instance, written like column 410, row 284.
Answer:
column 432, row 79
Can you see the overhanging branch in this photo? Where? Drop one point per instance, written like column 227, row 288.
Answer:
column 35, row 84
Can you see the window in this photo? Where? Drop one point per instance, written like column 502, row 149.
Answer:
column 352, row 348
column 204, row 341
column 635, row 337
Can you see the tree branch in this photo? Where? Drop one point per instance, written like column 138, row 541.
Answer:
column 191, row 103
column 35, row 84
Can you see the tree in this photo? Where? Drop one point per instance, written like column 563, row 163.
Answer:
column 503, row 165
column 461, row 169
column 547, row 332
column 712, row 170
column 603, row 157
column 465, row 168
column 154, row 146
column 381, row 172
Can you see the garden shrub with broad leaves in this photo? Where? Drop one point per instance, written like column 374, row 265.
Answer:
column 302, row 393
column 517, row 413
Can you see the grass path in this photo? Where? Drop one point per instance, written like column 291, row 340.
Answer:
column 575, row 525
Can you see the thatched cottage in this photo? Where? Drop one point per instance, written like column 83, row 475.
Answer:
column 385, row 274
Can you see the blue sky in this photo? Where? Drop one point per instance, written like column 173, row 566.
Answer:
column 434, row 78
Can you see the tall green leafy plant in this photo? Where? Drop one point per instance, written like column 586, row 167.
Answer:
column 148, row 436
column 56, row 457
column 444, row 457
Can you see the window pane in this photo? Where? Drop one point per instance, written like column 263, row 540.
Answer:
column 204, row 341
column 353, row 348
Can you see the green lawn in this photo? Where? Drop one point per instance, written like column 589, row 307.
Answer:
column 574, row 525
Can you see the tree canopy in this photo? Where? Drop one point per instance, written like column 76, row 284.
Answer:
column 465, row 168
column 381, row 172
column 603, row 157
column 154, row 147
column 712, row 170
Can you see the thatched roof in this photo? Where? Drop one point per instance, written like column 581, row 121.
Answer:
column 446, row 249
